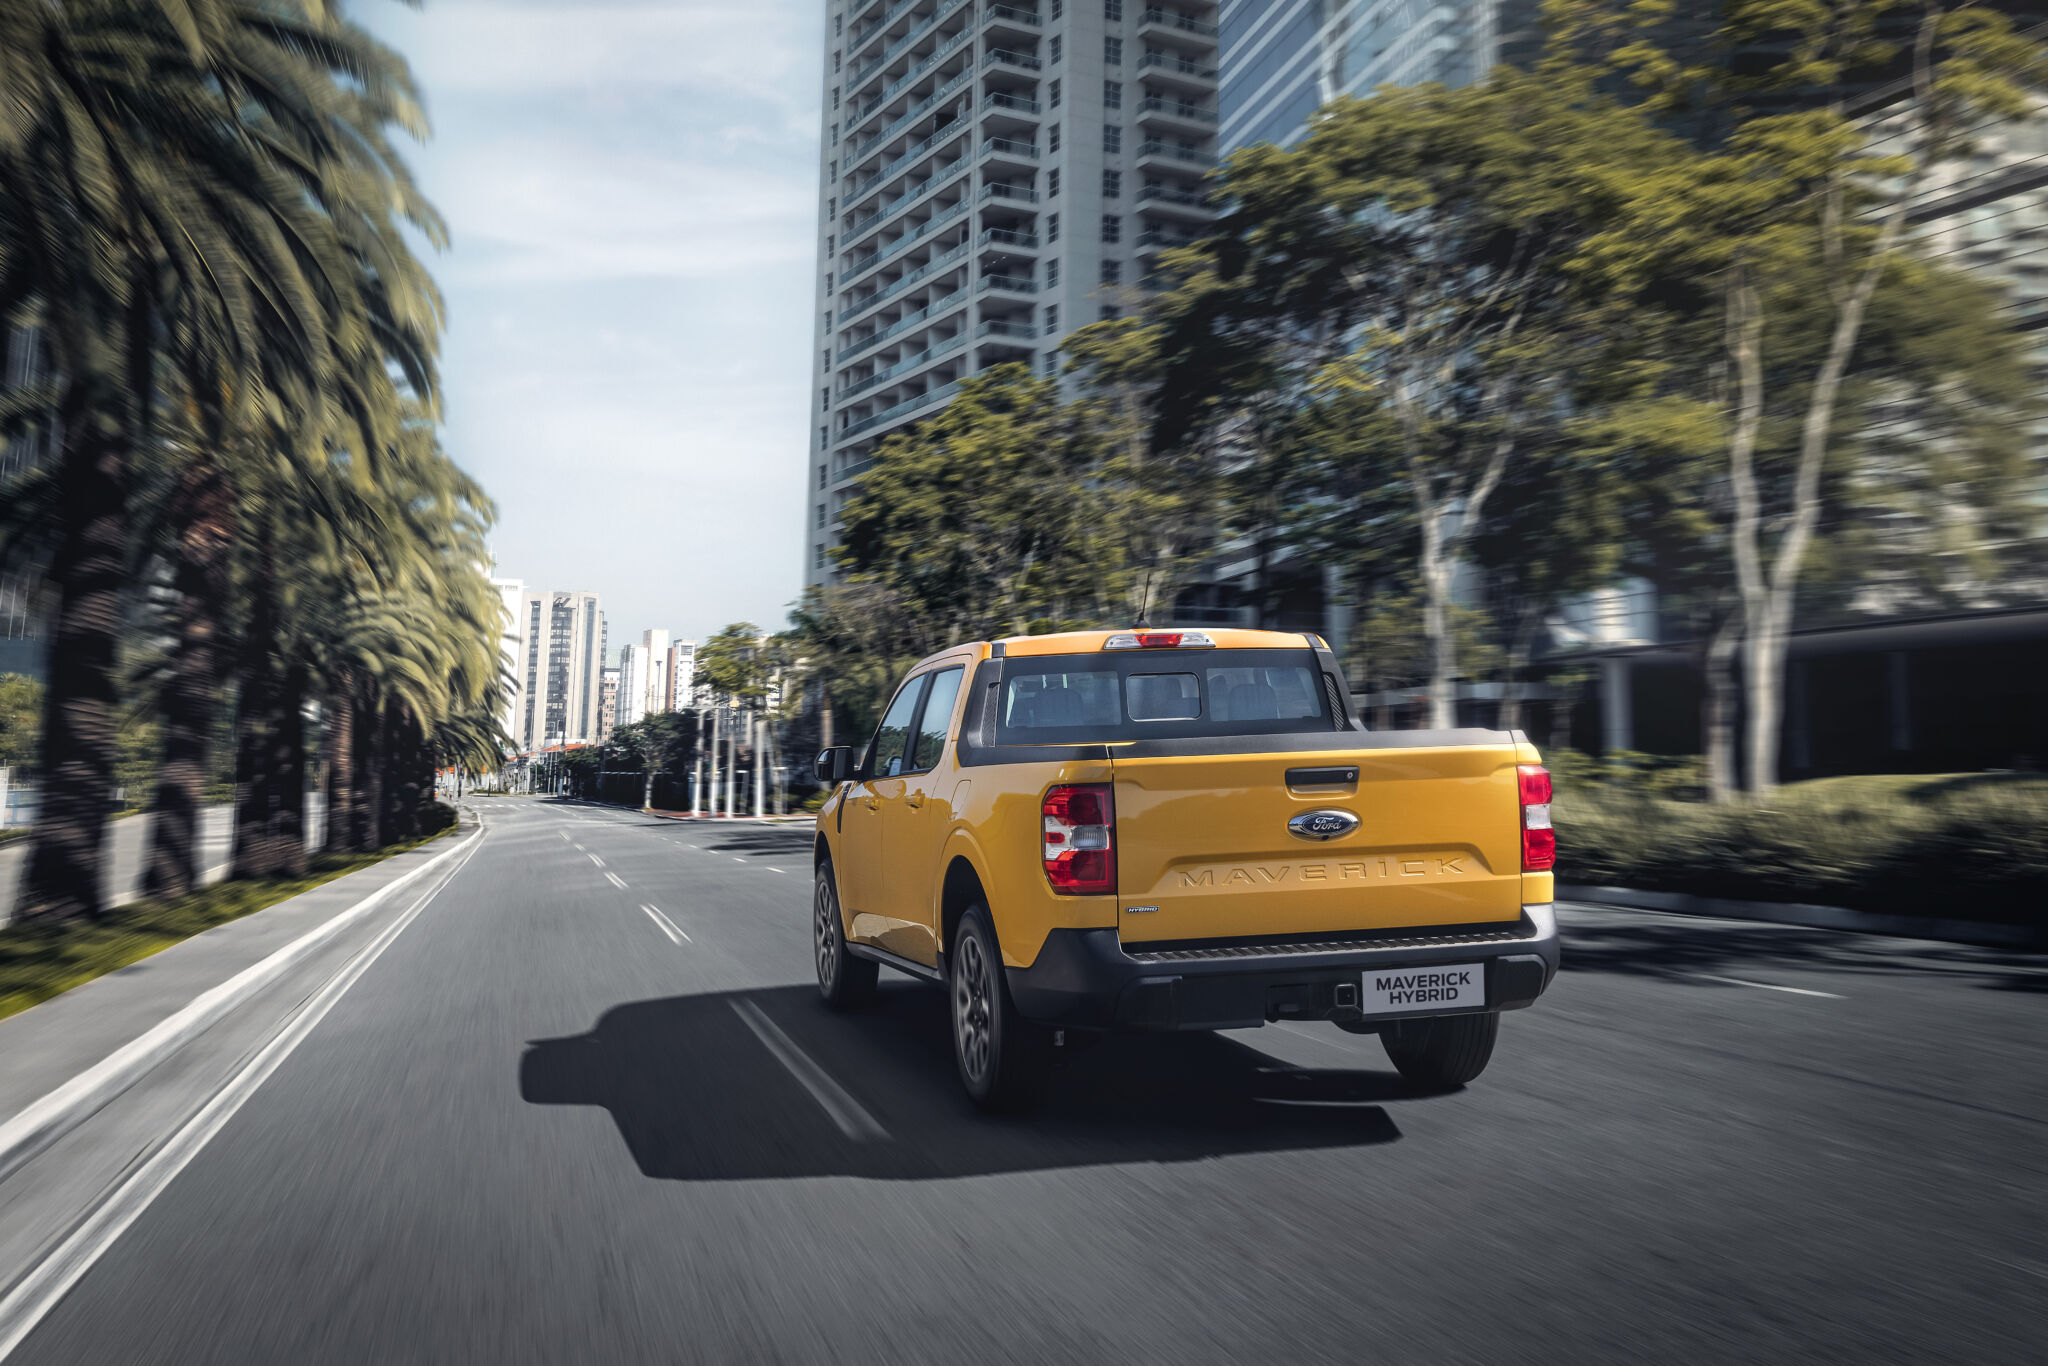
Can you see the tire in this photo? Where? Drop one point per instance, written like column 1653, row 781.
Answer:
column 1005, row 1060
column 1443, row 1053
column 846, row 982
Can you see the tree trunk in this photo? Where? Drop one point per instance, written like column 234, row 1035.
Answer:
column 366, row 821
column 204, row 512
column 1717, row 709
column 1443, row 649
column 339, row 748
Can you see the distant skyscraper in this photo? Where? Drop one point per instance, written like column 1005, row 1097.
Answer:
column 512, row 654
column 682, row 675
column 1282, row 59
column 992, row 177
column 608, row 703
column 562, row 670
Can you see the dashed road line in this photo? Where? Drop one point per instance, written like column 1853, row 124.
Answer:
column 615, row 881
column 595, row 859
column 668, row 927
column 853, row 1120
column 775, row 870
column 1766, row 986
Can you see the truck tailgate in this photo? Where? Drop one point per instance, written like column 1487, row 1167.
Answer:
column 1204, row 849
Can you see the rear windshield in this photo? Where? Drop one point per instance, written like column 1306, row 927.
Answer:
column 1159, row 694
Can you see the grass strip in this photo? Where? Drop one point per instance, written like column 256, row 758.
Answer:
column 39, row 961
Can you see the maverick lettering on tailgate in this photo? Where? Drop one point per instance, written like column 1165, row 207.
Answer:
column 1223, row 877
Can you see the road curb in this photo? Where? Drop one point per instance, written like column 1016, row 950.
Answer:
column 1813, row 917
column 44, row 1121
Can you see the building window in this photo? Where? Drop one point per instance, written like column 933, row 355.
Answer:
column 1112, row 52
column 821, row 516
column 1112, row 269
column 1052, row 228
column 825, row 359
column 1052, row 319
column 1056, row 45
column 1112, row 188
column 825, row 399
column 823, row 473
column 818, row 556
column 1113, row 10
column 1058, row 8
column 1052, row 182
column 835, row 97
column 1112, row 138
column 1053, row 94
column 1052, row 272
column 1112, row 94
column 838, row 24
column 1052, row 364
column 835, row 61
column 835, row 138
column 1052, row 138
column 1110, row 313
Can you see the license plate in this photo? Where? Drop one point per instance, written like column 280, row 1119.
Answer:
column 1401, row 990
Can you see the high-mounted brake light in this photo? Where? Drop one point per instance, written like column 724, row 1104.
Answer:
column 1158, row 640
column 1539, row 841
column 1080, row 839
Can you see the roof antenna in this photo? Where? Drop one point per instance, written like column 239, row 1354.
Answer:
column 1144, row 622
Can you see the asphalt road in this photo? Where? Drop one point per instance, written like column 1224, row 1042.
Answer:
column 552, row 1125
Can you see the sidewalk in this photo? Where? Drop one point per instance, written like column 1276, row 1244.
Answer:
column 1813, row 917
column 47, row 1045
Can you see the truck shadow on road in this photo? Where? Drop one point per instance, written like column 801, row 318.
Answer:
column 698, row 1096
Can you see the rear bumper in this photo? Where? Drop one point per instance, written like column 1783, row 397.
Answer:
column 1087, row 979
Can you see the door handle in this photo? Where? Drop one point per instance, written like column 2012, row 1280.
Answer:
column 913, row 800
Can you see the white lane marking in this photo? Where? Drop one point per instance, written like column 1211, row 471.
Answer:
column 36, row 1293
column 737, row 859
column 615, row 880
column 775, row 870
column 565, row 835
column 579, row 848
column 668, row 927
column 853, row 1121
column 693, row 846
column 595, row 859
column 1765, row 986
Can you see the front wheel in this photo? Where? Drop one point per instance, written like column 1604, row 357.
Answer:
column 1444, row 1052
column 843, row 980
column 1005, row 1060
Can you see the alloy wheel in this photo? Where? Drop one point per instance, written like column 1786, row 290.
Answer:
column 826, row 925
column 971, row 1008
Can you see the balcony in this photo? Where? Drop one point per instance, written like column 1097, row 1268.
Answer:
column 1005, row 327
column 939, row 176
column 1191, row 204
column 908, row 240
column 1158, row 239
column 1157, row 22
column 943, row 347
column 1007, row 237
column 1156, row 109
column 1010, row 151
column 903, row 161
column 937, row 265
column 1011, row 19
column 863, row 32
column 1020, row 61
column 929, row 398
column 910, row 115
column 947, row 47
column 909, row 40
column 1009, row 284
column 933, row 310
column 1173, row 69
column 1008, row 193
column 1010, row 104
column 1170, row 151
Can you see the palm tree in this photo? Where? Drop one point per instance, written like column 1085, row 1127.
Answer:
column 168, row 166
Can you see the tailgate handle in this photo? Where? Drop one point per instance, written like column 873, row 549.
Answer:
column 1322, row 777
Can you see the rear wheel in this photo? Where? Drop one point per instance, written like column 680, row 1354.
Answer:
column 1004, row 1059
column 843, row 980
column 1441, row 1053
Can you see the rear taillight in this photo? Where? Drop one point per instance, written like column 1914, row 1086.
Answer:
column 1080, row 839
column 1539, row 841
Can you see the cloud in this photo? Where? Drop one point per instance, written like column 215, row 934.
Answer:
column 555, row 208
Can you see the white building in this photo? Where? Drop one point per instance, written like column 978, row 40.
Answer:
column 560, row 676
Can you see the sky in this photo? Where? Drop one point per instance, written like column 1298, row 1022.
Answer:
column 630, row 190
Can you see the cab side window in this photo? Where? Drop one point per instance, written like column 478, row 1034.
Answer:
column 886, row 751
column 938, row 715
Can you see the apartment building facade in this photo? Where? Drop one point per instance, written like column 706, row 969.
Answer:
column 561, row 676
column 992, row 176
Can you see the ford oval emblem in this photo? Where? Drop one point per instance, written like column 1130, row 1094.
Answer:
column 1325, row 824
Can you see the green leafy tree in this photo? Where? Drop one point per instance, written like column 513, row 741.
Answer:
column 21, row 707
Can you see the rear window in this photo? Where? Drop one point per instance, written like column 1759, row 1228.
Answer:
column 1139, row 695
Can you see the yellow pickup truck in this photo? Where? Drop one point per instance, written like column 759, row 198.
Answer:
column 1142, row 829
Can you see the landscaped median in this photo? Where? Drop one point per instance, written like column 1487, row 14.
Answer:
column 1960, row 847
column 39, row 961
